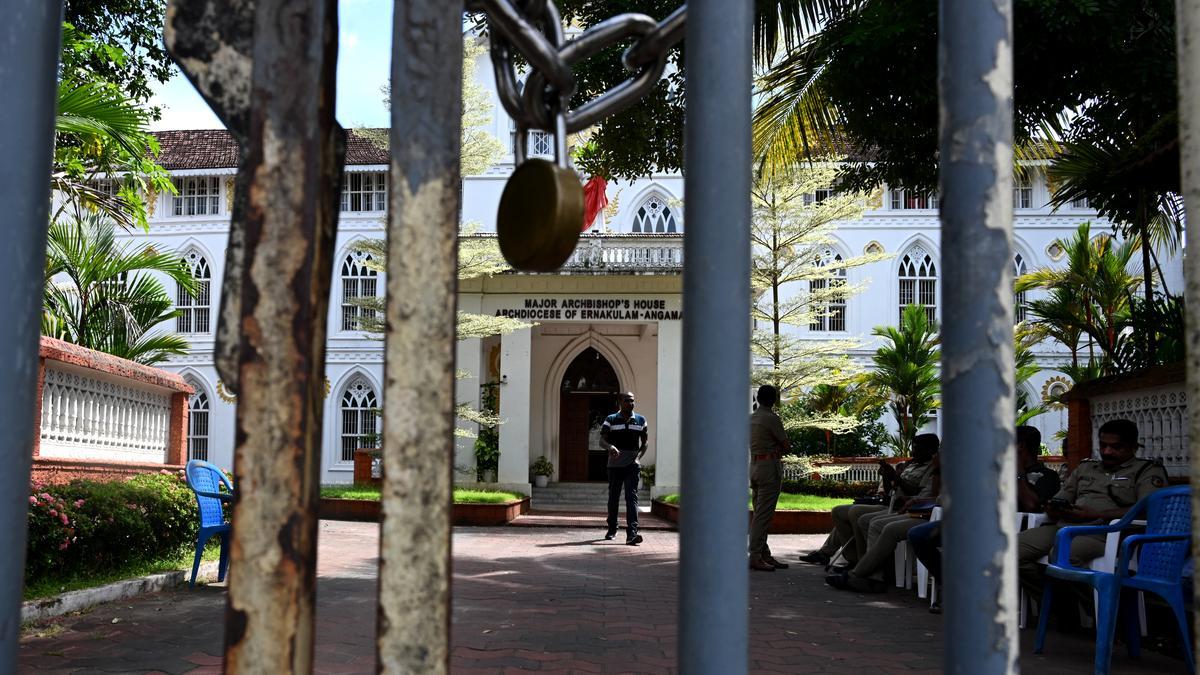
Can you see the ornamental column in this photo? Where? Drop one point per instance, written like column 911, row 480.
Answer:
column 515, row 351
column 666, row 439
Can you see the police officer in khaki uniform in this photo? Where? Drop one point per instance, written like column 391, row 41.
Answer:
column 1096, row 492
column 768, row 442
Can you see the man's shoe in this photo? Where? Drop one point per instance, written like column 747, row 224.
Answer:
column 838, row 580
column 775, row 563
column 865, row 584
column 935, row 608
column 815, row 558
column 761, row 566
column 610, row 534
column 634, row 540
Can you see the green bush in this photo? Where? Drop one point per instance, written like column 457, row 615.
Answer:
column 829, row 488
column 85, row 527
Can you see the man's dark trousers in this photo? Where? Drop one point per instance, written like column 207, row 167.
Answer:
column 626, row 476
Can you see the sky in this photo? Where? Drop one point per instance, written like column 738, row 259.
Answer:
column 364, row 46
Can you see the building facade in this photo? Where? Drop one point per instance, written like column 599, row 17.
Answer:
column 609, row 321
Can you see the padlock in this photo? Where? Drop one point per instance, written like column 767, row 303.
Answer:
column 541, row 210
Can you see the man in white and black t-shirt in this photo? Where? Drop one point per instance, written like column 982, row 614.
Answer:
column 624, row 435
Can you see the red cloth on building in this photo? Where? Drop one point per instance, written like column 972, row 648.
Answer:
column 594, row 199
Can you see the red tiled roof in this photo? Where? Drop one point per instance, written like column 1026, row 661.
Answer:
column 216, row 149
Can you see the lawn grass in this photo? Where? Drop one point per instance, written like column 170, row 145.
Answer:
column 789, row 502
column 460, row 496
column 51, row 586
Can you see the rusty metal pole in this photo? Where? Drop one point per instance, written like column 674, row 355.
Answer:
column 975, row 82
column 29, row 46
column 294, row 163
column 1188, row 40
column 418, row 395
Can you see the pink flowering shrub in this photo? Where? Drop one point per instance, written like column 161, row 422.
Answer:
column 86, row 526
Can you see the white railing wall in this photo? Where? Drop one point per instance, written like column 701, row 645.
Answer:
column 624, row 253
column 1161, row 416
column 95, row 415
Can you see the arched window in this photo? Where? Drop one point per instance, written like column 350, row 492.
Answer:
column 358, row 281
column 918, row 282
column 654, row 216
column 359, row 418
column 1018, row 298
column 827, row 302
column 194, row 311
column 197, row 439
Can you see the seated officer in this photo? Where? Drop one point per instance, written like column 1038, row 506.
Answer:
column 1095, row 493
column 909, row 479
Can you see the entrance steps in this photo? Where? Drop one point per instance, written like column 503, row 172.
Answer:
column 580, row 498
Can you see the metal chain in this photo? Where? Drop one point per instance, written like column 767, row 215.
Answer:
column 533, row 28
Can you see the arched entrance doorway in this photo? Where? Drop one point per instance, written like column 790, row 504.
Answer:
column 588, row 395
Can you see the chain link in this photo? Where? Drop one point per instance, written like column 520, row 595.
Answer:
column 533, row 28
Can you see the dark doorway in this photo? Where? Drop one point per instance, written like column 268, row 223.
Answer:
column 587, row 395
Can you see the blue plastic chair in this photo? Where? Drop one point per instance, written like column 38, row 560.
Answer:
column 206, row 480
column 1161, row 554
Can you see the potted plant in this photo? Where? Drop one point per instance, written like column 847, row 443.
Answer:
column 487, row 454
column 542, row 470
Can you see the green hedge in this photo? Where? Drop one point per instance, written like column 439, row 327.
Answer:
column 85, row 527
column 830, row 488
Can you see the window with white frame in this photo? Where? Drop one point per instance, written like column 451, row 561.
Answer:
column 1018, row 298
column 538, row 143
column 918, row 282
column 194, row 311
column 364, row 192
column 198, row 409
column 817, row 196
column 358, row 281
column 109, row 187
column 1081, row 203
column 1022, row 194
column 654, row 216
column 359, row 418
column 197, row 196
column 829, row 305
column 906, row 200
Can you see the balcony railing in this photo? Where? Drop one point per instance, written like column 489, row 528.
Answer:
column 607, row 253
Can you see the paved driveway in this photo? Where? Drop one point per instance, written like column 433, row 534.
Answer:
column 550, row 599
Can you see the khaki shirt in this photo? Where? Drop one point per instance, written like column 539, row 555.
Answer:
column 916, row 480
column 766, row 432
column 1092, row 487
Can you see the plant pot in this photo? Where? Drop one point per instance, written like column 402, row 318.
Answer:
column 489, row 475
column 541, row 481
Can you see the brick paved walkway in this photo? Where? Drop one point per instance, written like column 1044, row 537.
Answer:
column 560, row 600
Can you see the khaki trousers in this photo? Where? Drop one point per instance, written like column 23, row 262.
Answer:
column 1037, row 542
column 845, row 520
column 884, row 534
column 765, row 482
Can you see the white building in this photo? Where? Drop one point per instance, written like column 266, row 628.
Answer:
column 608, row 322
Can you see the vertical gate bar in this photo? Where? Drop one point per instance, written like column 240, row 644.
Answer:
column 418, row 393
column 975, row 173
column 294, row 163
column 29, row 46
column 713, row 580
column 1187, row 29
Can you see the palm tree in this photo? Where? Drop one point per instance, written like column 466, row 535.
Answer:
column 1092, row 295
column 906, row 371
column 98, row 293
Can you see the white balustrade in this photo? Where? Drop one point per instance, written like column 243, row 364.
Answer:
column 91, row 415
column 1161, row 417
column 603, row 253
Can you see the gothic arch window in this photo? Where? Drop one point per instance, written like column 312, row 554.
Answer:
column 358, row 281
column 359, row 419
column 198, row 409
column 918, row 281
column 828, row 304
column 194, row 311
column 1019, row 299
column 654, row 216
